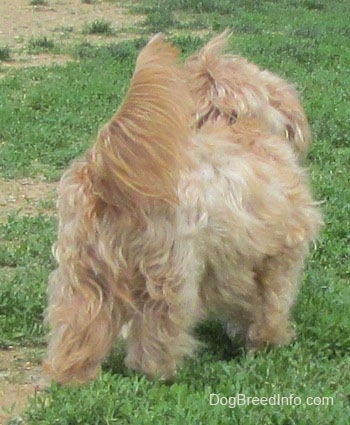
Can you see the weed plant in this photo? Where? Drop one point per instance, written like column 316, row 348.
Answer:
column 99, row 26
column 5, row 53
column 40, row 44
column 37, row 2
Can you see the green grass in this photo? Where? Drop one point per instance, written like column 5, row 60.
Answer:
column 50, row 115
column 25, row 262
column 37, row 2
column 40, row 44
column 5, row 53
column 100, row 26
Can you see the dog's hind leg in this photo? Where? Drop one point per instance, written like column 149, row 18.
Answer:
column 168, row 308
column 277, row 281
column 255, row 302
column 159, row 339
column 84, row 324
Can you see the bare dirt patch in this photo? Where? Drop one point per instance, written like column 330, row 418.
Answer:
column 20, row 371
column 26, row 197
column 20, row 377
column 62, row 21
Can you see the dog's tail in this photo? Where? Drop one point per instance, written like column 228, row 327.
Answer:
column 140, row 152
column 229, row 87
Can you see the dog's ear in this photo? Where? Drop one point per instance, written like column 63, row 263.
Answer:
column 209, row 81
column 140, row 152
column 216, row 46
column 211, row 53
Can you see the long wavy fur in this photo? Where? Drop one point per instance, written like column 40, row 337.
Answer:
column 162, row 223
column 136, row 159
column 228, row 87
column 140, row 152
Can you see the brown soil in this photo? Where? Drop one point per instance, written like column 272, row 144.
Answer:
column 20, row 377
column 26, row 197
column 61, row 21
column 20, row 371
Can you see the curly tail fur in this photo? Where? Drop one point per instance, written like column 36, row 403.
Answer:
column 229, row 87
column 141, row 150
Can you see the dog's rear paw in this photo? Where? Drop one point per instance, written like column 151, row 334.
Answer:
column 152, row 369
column 72, row 375
column 259, row 336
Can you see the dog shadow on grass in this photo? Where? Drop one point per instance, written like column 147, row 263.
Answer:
column 215, row 346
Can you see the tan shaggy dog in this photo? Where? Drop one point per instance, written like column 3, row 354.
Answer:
column 166, row 222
